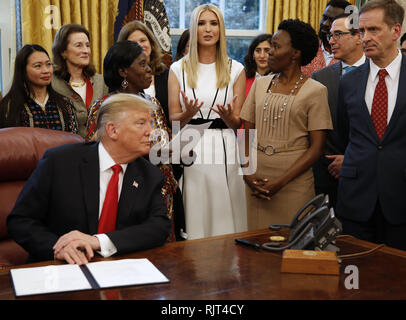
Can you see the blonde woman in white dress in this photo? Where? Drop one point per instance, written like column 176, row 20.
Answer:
column 207, row 86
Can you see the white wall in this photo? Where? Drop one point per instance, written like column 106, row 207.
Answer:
column 8, row 41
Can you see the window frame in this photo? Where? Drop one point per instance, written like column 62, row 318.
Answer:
column 238, row 33
column 8, row 43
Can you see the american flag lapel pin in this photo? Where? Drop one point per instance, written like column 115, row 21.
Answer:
column 135, row 184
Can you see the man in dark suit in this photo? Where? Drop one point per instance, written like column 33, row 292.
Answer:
column 346, row 45
column 324, row 56
column 371, row 120
column 102, row 197
column 403, row 43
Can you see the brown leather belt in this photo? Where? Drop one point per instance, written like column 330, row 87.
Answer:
column 269, row 150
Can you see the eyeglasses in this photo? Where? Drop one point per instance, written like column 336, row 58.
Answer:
column 336, row 35
column 403, row 50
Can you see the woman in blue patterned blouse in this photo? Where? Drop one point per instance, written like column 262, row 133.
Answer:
column 31, row 101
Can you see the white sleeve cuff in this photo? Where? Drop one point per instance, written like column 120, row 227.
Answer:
column 107, row 248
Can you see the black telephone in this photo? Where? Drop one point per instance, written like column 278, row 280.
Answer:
column 314, row 227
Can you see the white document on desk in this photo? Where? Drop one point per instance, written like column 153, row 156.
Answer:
column 49, row 279
column 125, row 272
column 95, row 275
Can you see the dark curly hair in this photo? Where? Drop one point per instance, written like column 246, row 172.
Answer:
column 249, row 61
column 338, row 4
column 303, row 38
column 184, row 38
column 120, row 56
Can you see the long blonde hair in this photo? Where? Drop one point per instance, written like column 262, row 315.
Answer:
column 191, row 60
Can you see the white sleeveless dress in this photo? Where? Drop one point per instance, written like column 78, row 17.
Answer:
column 213, row 190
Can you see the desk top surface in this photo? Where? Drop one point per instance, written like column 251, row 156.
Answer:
column 218, row 269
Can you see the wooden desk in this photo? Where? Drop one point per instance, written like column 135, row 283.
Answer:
column 218, row 269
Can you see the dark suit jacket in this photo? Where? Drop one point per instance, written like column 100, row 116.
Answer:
column 62, row 195
column 161, row 92
column 330, row 77
column 372, row 169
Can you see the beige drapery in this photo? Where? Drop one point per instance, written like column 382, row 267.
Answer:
column 309, row 11
column 97, row 16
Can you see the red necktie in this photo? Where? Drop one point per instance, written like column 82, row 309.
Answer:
column 107, row 221
column 379, row 112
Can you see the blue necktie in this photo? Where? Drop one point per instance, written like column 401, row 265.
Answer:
column 348, row 69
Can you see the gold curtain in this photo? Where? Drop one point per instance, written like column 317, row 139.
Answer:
column 41, row 19
column 309, row 11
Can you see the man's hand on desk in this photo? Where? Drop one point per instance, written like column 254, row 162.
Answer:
column 76, row 247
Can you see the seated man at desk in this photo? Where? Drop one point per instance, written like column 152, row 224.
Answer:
column 99, row 196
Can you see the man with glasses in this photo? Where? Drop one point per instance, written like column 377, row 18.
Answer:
column 324, row 56
column 371, row 120
column 346, row 45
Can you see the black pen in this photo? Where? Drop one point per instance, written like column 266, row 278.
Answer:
column 248, row 243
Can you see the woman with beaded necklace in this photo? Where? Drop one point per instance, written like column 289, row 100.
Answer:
column 291, row 115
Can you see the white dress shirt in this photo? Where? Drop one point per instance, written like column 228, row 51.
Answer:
column 391, row 80
column 107, row 248
column 42, row 105
column 356, row 64
column 81, row 91
column 150, row 91
column 327, row 55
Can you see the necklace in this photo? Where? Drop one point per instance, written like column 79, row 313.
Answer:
column 77, row 84
column 43, row 105
column 273, row 84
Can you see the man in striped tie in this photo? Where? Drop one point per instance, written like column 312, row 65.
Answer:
column 371, row 119
column 93, row 197
column 346, row 45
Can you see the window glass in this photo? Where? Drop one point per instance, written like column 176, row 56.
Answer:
column 237, row 47
column 242, row 14
column 190, row 5
column 238, row 14
column 172, row 10
column 175, row 40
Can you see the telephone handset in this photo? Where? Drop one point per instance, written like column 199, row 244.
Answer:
column 313, row 227
column 317, row 202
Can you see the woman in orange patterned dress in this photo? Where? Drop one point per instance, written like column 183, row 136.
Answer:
column 126, row 70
